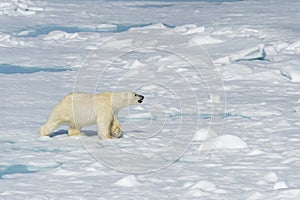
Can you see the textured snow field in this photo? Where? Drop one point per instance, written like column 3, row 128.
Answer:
column 220, row 118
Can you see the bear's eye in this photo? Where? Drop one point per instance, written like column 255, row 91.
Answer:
column 135, row 95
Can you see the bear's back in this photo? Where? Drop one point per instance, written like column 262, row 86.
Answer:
column 82, row 107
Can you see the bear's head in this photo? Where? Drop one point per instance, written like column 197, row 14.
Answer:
column 122, row 99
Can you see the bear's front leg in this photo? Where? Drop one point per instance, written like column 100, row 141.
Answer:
column 104, row 128
column 116, row 130
column 74, row 131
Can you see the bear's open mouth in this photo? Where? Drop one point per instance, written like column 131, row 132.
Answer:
column 141, row 100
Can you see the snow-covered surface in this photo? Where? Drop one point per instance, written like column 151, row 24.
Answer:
column 182, row 142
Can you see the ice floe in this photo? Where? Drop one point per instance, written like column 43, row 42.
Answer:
column 60, row 35
column 291, row 70
column 255, row 50
column 18, row 8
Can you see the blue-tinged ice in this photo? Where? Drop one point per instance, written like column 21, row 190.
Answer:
column 13, row 69
column 44, row 30
column 14, row 169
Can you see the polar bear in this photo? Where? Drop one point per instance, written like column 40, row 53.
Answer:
column 83, row 109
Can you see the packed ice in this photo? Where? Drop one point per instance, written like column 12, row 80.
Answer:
column 220, row 118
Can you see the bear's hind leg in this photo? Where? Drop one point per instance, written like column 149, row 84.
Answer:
column 43, row 131
column 48, row 127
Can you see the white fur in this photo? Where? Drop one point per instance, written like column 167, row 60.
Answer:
column 83, row 109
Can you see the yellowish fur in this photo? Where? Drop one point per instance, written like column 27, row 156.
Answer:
column 83, row 109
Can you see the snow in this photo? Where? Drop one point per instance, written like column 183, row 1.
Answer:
column 128, row 181
column 203, row 40
column 204, row 185
column 290, row 70
column 18, row 8
column 279, row 185
column 60, row 35
column 271, row 177
column 255, row 152
column 230, row 142
column 220, row 119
